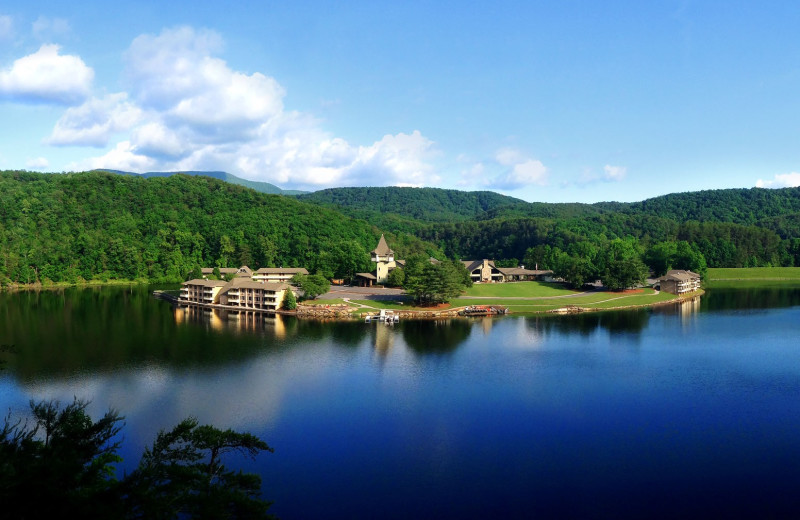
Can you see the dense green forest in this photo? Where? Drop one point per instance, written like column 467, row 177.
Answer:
column 425, row 204
column 101, row 226
column 722, row 228
column 263, row 187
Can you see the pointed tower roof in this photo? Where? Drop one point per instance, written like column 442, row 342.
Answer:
column 382, row 249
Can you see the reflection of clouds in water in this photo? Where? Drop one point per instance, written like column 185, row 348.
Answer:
column 246, row 396
column 528, row 336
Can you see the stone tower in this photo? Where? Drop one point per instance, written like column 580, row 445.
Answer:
column 384, row 258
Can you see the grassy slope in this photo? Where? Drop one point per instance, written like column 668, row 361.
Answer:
column 753, row 277
column 754, row 273
column 519, row 289
column 544, row 300
column 593, row 300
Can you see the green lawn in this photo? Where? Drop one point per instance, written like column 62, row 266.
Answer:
column 593, row 300
column 518, row 289
column 532, row 297
column 754, row 273
column 395, row 305
column 333, row 301
column 752, row 277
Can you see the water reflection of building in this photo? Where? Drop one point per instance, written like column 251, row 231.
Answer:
column 219, row 320
column 384, row 339
column 685, row 310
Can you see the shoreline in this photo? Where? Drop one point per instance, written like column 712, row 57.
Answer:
column 68, row 285
column 342, row 312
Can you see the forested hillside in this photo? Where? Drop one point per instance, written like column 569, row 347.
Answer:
column 98, row 225
column 95, row 225
column 739, row 206
column 423, row 204
column 263, row 187
column 729, row 228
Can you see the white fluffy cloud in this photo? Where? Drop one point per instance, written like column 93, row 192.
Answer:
column 47, row 77
column 614, row 173
column 186, row 109
column 781, row 180
column 519, row 171
column 175, row 73
column 122, row 157
column 39, row 163
column 93, row 123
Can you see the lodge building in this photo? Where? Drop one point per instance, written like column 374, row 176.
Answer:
column 260, row 290
column 679, row 282
column 481, row 271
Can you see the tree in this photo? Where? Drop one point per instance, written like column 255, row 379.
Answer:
column 182, row 474
column 663, row 256
column 435, row 283
column 623, row 265
column 194, row 274
column 289, row 300
column 62, row 465
column 660, row 257
column 226, row 249
column 574, row 270
column 689, row 257
column 312, row 285
column 396, row 277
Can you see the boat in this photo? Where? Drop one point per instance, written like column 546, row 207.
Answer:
column 482, row 310
column 387, row 317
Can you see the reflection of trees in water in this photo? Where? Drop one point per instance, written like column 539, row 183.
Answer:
column 67, row 331
column 435, row 336
column 344, row 333
column 585, row 324
column 750, row 298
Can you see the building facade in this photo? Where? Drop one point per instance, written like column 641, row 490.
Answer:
column 278, row 274
column 383, row 257
column 241, row 292
column 243, row 271
column 201, row 291
column 679, row 282
column 483, row 271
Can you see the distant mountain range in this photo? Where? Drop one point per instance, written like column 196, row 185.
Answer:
column 753, row 206
column 404, row 209
column 262, row 187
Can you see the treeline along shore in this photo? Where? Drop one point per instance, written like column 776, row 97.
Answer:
column 100, row 227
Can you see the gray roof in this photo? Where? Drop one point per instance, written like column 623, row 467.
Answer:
column 382, row 249
column 368, row 276
column 282, row 270
column 244, row 283
column 205, row 283
column 227, row 270
column 680, row 275
column 471, row 265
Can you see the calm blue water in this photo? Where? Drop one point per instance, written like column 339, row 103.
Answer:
column 682, row 411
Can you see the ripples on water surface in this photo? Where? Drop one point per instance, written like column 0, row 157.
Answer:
column 686, row 410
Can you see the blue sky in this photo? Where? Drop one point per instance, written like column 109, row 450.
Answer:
column 547, row 101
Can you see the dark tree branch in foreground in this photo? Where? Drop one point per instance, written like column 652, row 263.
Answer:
column 61, row 463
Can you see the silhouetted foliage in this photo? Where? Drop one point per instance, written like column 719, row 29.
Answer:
column 60, row 464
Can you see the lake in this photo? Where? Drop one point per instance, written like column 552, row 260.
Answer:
column 684, row 410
